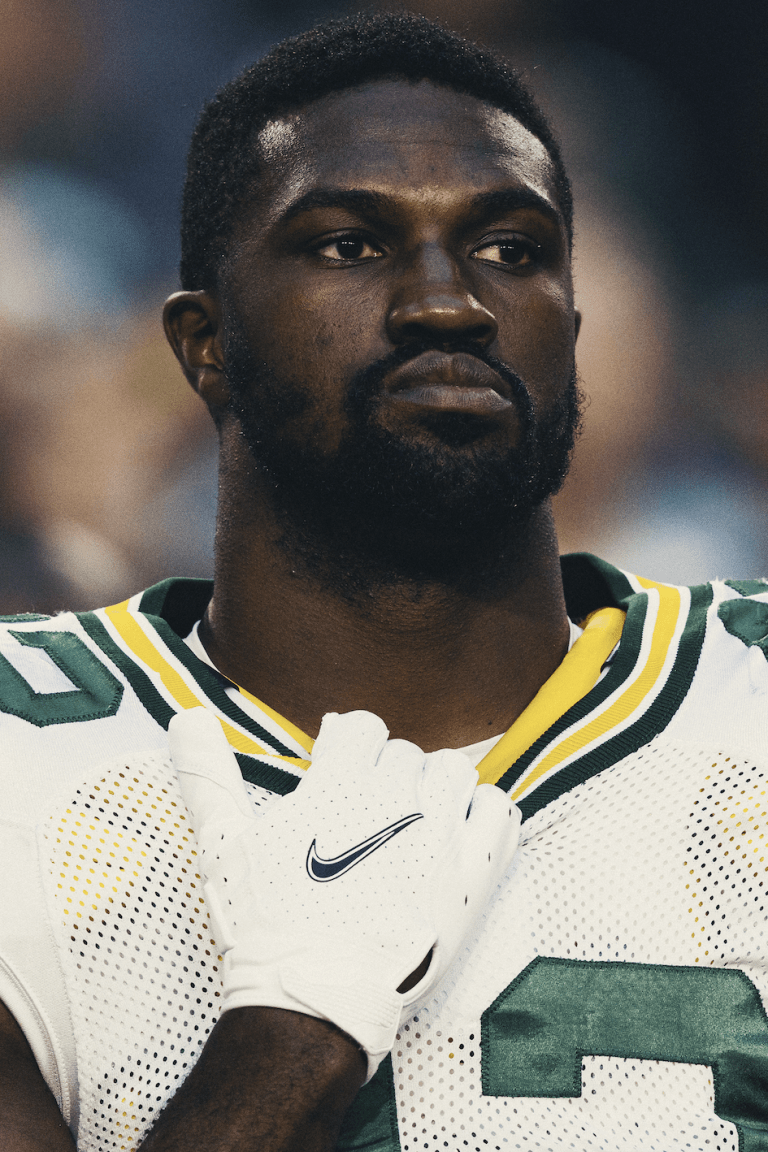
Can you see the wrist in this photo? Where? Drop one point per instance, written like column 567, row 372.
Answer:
column 352, row 990
column 267, row 1078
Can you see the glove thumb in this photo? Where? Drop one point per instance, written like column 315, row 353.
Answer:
column 209, row 775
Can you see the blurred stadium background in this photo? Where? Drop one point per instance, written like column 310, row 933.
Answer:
column 107, row 460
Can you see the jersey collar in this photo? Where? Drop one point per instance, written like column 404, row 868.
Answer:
column 577, row 724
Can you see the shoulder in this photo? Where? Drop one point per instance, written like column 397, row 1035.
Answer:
column 730, row 690
column 51, row 672
column 77, row 668
column 77, row 690
column 742, row 612
column 68, row 701
column 707, row 643
column 729, row 612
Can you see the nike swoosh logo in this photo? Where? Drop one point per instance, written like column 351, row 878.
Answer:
column 335, row 866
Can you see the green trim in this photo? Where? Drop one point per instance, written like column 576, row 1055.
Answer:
column 556, row 1011
column 172, row 607
column 212, row 683
column 158, row 708
column 180, row 601
column 96, row 694
column 370, row 1125
column 748, row 587
column 623, row 665
column 747, row 620
column 24, row 618
column 591, row 583
column 653, row 721
column 267, row 776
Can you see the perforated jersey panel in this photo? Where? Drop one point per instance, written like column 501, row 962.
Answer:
column 726, row 862
column 441, row 1106
column 656, row 866
column 135, row 944
column 659, row 861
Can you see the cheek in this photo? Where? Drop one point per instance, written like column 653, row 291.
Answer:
column 537, row 340
column 312, row 352
column 320, row 334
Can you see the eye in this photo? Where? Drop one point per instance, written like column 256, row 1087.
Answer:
column 513, row 252
column 349, row 247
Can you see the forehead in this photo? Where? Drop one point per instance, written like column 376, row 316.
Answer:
column 419, row 138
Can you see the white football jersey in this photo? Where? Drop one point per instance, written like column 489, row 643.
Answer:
column 613, row 995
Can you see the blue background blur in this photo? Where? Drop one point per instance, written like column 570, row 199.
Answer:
column 107, row 461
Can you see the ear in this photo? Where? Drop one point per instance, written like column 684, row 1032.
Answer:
column 192, row 322
column 577, row 323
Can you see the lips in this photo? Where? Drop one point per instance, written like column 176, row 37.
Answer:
column 456, row 369
column 450, row 381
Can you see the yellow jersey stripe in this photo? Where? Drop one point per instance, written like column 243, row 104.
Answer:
column 629, row 702
column 568, row 684
column 139, row 643
column 306, row 742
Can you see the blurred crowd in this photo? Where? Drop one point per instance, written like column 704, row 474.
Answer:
column 107, row 459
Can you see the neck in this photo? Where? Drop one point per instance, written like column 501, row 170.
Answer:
column 442, row 665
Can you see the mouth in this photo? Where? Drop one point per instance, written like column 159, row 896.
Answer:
column 455, row 382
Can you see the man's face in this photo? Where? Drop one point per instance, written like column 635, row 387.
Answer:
column 399, row 325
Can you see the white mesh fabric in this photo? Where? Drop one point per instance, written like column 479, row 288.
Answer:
column 140, row 964
column 659, row 860
column 440, row 1103
column 726, row 863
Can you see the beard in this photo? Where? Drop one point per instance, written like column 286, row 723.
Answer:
column 382, row 510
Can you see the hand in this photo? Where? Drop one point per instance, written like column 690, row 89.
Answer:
column 325, row 902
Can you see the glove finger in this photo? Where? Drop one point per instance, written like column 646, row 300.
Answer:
column 487, row 846
column 399, row 770
column 448, row 786
column 209, row 775
column 489, row 841
column 347, row 741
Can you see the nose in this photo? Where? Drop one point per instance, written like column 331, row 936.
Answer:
column 432, row 302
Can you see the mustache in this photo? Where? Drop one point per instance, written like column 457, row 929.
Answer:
column 367, row 383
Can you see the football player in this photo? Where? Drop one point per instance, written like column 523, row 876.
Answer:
column 265, row 884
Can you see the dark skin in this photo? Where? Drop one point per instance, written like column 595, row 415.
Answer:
column 465, row 239
column 267, row 1080
column 436, row 667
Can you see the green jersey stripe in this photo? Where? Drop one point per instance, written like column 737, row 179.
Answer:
column 267, row 776
column 158, row 708
column 653, row 721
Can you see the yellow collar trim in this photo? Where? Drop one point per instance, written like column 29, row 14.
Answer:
column 666, row 616
column 306, row 742
column 136, row 640
column 569, row 683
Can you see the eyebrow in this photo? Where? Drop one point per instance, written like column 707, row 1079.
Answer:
column 369, row 203
column 512, row 199
column 354, row 199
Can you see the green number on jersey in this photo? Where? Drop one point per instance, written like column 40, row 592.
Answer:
column 371, row 1122
column 97, row 692
column 557, row 1011
column 536, row 1032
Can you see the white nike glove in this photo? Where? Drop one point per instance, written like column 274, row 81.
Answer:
column 325, row 902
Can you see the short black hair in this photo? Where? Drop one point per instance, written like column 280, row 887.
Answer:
column 339, row 54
